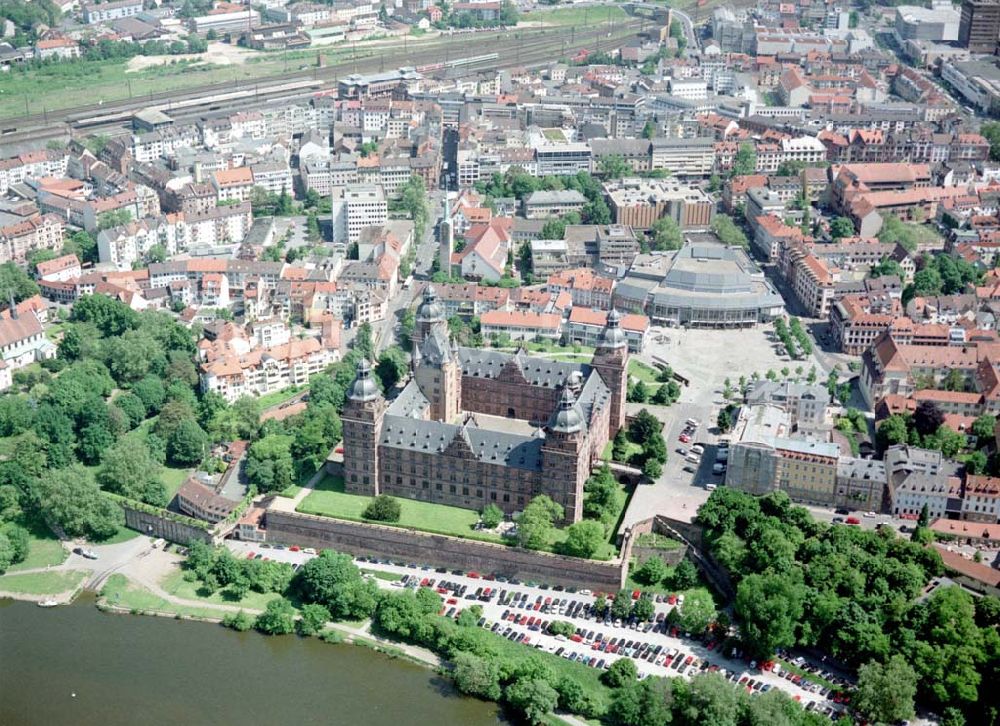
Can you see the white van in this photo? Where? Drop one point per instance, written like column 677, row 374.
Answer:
column 693, row 458
column 693, row 423
column 698, row 449
column 711, row 487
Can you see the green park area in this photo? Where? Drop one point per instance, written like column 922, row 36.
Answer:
column 44, row 550
column 119, row 591
column 175, row 584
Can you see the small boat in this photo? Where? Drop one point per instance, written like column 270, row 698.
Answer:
column 50, row 603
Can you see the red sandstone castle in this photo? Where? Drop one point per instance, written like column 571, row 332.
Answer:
column 475, row 427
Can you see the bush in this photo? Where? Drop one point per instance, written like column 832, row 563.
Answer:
column 562, row 627
column 240, row 621
column 685, row 575
column 652, row 571
column 383, row 508
column 491, row 515
column 278, row 618
column 314, row 619
column 622, row 672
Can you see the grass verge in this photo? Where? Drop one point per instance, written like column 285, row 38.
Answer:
column 42, row 583
column 44, row 550
column 176, row 585
column 119, row 591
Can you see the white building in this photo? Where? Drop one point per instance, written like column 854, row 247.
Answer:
column 355, row 207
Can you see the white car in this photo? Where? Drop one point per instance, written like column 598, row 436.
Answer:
column 698, row 449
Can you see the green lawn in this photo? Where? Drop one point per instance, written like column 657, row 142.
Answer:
column 43, row 550
column 643, row 371
column 387, row 576
column 330, row 500
column 124, row 534
column 42, row 583
column 291, row 491
column 630, row 448
column 176, row 585
column 172, row 479
column 279, row 397
column 657, row 541
column 120, row 591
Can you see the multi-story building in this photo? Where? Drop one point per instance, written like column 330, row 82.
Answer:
column 19, row 240
column 543, row 204
column 691, row 158
column 450, row 437
column 979, row 26
column 355, row 207
column 638, row 203
column 586, row 326
column 113, row 10
column 265, row 370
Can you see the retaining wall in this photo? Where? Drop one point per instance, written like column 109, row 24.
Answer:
column 397, row 543
column 164, row 527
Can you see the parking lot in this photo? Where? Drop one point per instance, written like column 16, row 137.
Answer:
column 656, row 649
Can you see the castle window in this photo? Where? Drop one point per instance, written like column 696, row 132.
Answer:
column 479, row 493
column 438, row 486
column 451, row 488
column 506, row 497
column 493, row 496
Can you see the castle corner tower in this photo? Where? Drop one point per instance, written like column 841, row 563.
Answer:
column 362, row 418
column 611, row 362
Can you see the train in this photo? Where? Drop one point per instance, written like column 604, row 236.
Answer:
column 459, row 62
column 214, row 101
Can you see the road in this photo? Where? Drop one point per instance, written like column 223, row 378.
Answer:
column 493, row 611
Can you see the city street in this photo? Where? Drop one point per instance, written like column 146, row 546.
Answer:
column 493, row 611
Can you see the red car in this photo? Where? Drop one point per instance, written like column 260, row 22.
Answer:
column 635, row 594
column 576, row 638
column 671, row 599
column 251, row 555
column 684, row 439
column 473, row 575
column 452, row 601
column 293, row 548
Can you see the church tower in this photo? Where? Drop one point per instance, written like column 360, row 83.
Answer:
column 565, row 465
column 429, row 315
column 438, row 374
column 363, row 413
column 446, row 240
column 611, row 362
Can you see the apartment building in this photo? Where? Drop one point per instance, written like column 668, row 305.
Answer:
column 544, row 204
column 638, row 203
column 355, row 207
column 685, row 158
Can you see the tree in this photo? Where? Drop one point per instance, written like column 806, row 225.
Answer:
column 665, row 234
column 725, row 419
column 652, row 572
column 685, row 575
column 383, row 508
column 391, row 367
column 639, row 704
column 697, row 611
column 613, row 166
column 885, row 692
column 643, row 609
column 991, row 132
column 534, row 527
column 476, row 676
column 363, row 342
column 553, row 229
column 769, row 605
column 621, row 606
column 15, row 282
column 278, row 618
column 727, row 231
column 892, row 431
column 114, row 218
column 534, row 699
column 621, row 673
column 648, row 129
column 745, row 159
column 71, row 499
column 924, row 519
column 841, row 227
column 333, row 580
column 269, row 465
column 637, row 392
column 314, row 619
column 927, row 282
column 584, row 538
column 129, row 469
column 983, row 428
column 14, row 545
column 187, row 443
column 927, row 418
column 491, row 516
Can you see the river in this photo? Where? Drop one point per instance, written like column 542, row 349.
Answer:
column 132, row 670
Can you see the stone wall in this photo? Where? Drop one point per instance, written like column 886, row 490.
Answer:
column 362, row 539
column 156, row 526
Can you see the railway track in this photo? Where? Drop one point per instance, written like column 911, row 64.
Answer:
column 524, row 47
